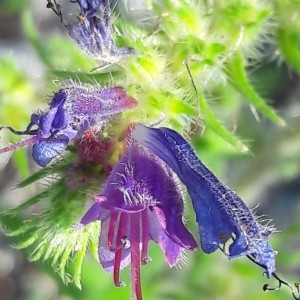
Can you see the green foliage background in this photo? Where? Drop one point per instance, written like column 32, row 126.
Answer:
column 242, row 55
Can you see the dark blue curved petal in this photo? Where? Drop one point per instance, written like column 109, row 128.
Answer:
column 44, row 151
column 59, row 121
column 58, row 99
column 45, row 123
column 214, row 228
column 220, row 213
column 156, row 141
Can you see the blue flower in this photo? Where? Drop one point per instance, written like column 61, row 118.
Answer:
column 220, row 213
column 72, row 110
column 93, row 32
column 139, row 202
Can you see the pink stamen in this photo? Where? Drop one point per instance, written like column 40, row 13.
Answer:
column 111, row 231
column 21, row 144
column 135, row 240
column 145, row 237
column 119, row 248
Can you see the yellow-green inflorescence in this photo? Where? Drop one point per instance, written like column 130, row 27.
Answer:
column 193, row 49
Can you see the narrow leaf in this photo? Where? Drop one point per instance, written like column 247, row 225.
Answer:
column 212, row 123
column 79, row 260
column 28, row 203
column 235, row 70
column 288, row 42
column 32, row 35
column 26, row 243
column 34, row 177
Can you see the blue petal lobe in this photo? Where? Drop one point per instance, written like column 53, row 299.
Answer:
column 44, row 151
column 220, row 213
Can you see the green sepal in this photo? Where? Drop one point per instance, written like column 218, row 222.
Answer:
column 288, row 42
column 33, row 37
column 49, row 234
column 212, row 123
column 235, row 70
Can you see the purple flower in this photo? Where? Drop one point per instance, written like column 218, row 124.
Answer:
column 72, row 110
column 221, row 215
column 93, row 32
column 140, row 201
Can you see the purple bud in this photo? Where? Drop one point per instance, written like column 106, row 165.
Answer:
column 91, row 8
column 93, row 32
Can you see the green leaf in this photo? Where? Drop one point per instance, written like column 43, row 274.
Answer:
column 83, row 76
column 27, row 204
column 38, row 252
column 25, row 244
column 33, row 37
column 215, row 125
column 13, row 6
column 79, row 260
column 69, row 246
column 235, row 70
column 22, row 163
column 47, row 172
column 48, row 234
column 42, row 173
column 288, row 42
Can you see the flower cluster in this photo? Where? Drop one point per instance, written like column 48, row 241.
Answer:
column 142, row 170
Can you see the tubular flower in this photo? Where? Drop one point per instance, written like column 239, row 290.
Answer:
column 221, row 215
column 72, row 110
column 140, row 201
column 93, row 32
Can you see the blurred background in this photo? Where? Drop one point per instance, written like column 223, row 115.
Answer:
column 267, row 178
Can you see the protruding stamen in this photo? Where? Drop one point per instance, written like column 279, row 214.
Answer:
column 297, row 286
column 125, row 242
column 135, row 238
column 120, row 284
column 111, row 231
column 145, row 237
column 281, row 282
column 21, row 144
column 56, row 8
column 146, row 260
column 119, row 248
column 25, row 132
column 267, row 288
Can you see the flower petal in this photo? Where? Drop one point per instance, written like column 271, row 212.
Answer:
column 106, row 256
column 170, row 248
column 95, row 212
column 220, row 213
column 44, row 151
column 173, row 225
column 134, row 181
